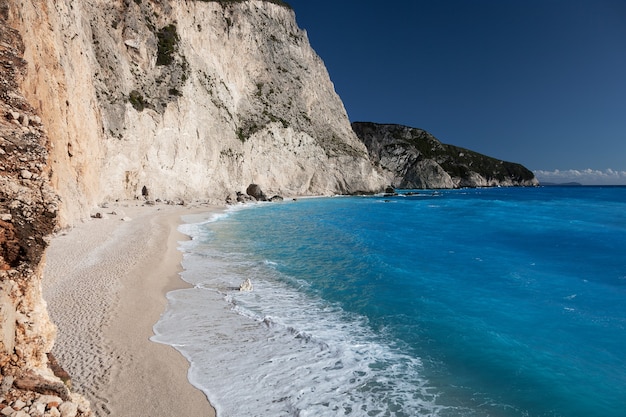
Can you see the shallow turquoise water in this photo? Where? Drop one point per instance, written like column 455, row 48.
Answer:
column 483, row 302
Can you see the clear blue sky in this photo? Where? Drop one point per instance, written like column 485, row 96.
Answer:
column 539, row 82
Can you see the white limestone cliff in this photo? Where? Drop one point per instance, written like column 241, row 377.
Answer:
column 191, row 99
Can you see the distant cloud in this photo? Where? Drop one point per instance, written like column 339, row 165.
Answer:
column 586, row 176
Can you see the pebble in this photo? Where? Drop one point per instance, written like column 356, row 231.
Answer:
column 49, row 400
column 18, row 405
column 68, row 409
column 6, row 217
column 39, row 408
column 26, row 174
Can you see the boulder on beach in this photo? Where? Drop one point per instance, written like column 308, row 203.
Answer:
column 255, row 191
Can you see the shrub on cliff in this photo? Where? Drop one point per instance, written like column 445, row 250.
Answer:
column 168, row 41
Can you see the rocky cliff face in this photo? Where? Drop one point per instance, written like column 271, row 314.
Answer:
column 191, row 99
column 28, row 213
column 413, row 158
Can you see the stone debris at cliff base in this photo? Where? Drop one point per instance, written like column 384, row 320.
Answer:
column 29, row 404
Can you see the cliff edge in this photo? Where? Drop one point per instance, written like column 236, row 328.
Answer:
column 192, row 100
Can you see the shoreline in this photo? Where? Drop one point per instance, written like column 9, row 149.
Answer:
column 105, row 282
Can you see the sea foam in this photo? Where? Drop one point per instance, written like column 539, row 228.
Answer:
column 277, row 351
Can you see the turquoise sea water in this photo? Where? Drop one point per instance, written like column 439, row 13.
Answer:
column 479, row 302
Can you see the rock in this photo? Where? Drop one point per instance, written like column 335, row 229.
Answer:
column 276, row 198
column 132, row 43
column 21, row 413
column 38, row 408
column 58, row 371
column 48, row 401
column 97, row 215
column 68, row 409
column 32, row 382
column 7, row 411
column 244, row 198
column 18, row 404
column 246, row 285
column 126, row 219
column 6, row 384
column 6, row 217
column 413, row 158
column 255, row 191
column 26, row 174
column 24, row 120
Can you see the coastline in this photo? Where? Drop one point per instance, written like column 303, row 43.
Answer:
column 105, row 283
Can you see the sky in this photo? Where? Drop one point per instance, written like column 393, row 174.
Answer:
column 538, row 82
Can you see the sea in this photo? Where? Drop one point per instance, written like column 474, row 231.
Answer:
column 504, row 302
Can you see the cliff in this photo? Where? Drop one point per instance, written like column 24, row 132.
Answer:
column 28, row 212
column 190, row 99
column 413, row 158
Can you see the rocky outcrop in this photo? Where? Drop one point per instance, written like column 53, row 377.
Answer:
column 413, row 158
column 28, row 212
column 254, row 190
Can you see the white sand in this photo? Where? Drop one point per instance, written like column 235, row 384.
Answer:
column 105, row 283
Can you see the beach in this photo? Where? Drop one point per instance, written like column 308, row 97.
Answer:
column 105, row 282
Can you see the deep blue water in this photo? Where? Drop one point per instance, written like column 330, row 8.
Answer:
column 477, row 302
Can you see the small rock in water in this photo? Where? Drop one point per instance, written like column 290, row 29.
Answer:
column 246, row 285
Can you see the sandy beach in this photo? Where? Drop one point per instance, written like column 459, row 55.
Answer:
column 105, row 283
